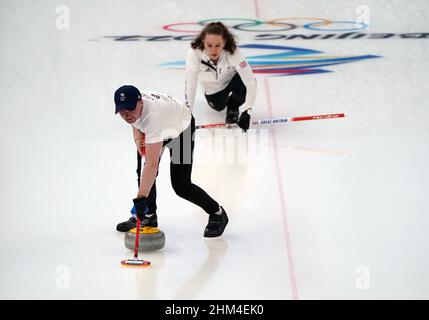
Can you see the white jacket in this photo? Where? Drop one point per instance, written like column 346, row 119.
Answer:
column 215, row 78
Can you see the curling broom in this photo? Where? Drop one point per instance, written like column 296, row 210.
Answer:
column 271, row 121
column 136, row 262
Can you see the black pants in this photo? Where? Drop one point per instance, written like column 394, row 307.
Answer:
column 232, row 97
column 181, row 160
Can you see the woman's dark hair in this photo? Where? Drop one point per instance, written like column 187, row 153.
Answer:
column 219, row 29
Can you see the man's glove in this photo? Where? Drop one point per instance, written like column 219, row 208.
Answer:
column 140, row 207
column 244, row 121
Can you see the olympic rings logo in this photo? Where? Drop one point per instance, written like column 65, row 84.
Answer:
column 274, row 25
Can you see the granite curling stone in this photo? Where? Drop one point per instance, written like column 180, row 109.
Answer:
column 150, row 239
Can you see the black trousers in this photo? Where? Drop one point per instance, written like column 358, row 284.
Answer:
column 232, row 97
column 181, row 159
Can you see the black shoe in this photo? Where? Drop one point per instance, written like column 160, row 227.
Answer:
column 132, row 223
column 231, row 116
column 216, row 225
column 127, row 225
column 151, row 221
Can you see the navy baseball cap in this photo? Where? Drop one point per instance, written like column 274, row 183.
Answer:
column 126, row 98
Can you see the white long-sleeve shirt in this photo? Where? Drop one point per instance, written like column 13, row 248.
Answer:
column 215, row 78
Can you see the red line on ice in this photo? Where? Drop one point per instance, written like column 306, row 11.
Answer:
column 282, row 196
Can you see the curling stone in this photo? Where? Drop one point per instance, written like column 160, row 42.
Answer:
column 150, row 239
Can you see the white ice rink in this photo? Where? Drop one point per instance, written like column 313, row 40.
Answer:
column 327, row 209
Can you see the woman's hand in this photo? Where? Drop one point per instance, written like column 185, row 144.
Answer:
column 244, row 121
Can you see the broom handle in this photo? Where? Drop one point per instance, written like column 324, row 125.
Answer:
column 271, row 121
column 136, row 247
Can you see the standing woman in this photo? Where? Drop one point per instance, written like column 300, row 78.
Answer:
column 226, row 77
